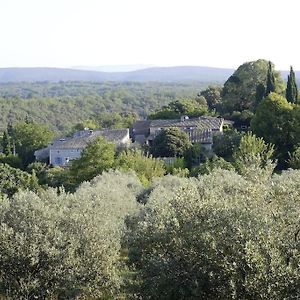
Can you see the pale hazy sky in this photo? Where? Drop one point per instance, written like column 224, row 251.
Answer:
column 220, row 33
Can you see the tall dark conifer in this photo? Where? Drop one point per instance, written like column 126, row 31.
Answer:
column 270, row 86
column 260, row 93
column 10, row 132
column 6, row 144
column 291, row 92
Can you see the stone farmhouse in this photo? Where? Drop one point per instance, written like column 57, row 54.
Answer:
column 200, row 130
column 63, row 150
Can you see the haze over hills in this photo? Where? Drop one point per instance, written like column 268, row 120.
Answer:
column 162, row 74
column 114, row 68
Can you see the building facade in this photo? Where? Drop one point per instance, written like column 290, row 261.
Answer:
column 61, row 151
column 200, row 130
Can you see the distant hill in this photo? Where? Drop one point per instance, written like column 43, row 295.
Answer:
column 160, row 74
column 163, row 74
column 113, row 68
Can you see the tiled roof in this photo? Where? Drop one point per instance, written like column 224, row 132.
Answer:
column 202, row 123
column 141, row 127
column 111, row 135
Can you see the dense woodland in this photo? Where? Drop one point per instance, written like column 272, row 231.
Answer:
column 61, row 105
column 123, row 224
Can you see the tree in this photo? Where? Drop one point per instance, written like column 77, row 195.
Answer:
column 270, row 84
column 115, row 119
column 276, row 122
column 225, row 145
column 294, row 158
column 91, row 124
column 170, row 142
column 212, row 96
column 253, row 157
column 192, row 155
column 178, row 167
column 260, row 93
column 13, row 180
column 178, row 108
column 240, row 90
column 219, row 236
column 29, row 137
column 146, row 167
column 97, row 157
column 211, row 164
column 6, row 143
column 291, row 89
column 66, row 246
column 11, row 160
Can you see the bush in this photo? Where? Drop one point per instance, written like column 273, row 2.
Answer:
column 218, row 237
column 66, row 245
column 13, row 180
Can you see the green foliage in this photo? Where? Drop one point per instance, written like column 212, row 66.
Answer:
column 212, row 96
column 240, row 90
column 192, row 155
column 241, row 118
column 170, row 142
column 115, row 120
column 270, row 84
column 178, row 167
column 62, row 105
column 6, row 144
column 253, row 158
column 91, row 124
column 291, row 92
column 66, row 246
column 59, row 177
column 260, row 93
column 146, row 167
column 29, row 137
column 277, row 122
column 218, row 237
column 178, row 108
column 97, row 157
column 224, row 145
column 11, row 160
column 210, row 165
column 294, row 158
column 13, row 180
column 51, row 176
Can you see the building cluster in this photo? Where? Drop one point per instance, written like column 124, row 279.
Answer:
column 200, row 130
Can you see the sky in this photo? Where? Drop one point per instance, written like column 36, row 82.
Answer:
column 217, row 33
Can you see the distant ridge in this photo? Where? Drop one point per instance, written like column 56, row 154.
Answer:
column 165, row 74
column 162, row 74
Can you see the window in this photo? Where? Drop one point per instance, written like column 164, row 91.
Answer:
column 57, row 160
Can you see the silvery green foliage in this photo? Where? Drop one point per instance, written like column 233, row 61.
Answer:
column 294, row 158
column 218, row 237
column 253, row 158
column 66, row 245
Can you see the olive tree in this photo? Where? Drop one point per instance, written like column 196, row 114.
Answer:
column 218, row 237
column 66, row 245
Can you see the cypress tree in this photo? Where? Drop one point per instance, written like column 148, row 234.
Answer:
column 10, row 128
column 270, row 85
column 10, row 132
column 6, row 144
column 291, row 92
column 260, row 93
column 270, row 81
